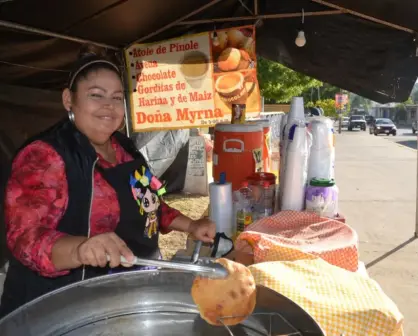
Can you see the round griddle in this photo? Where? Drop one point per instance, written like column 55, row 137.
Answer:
column 156, row 303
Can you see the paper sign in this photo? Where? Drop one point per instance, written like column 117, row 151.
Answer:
column 192, row 81
column 196, row 173
column 258, row 159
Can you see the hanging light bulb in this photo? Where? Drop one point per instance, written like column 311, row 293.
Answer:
column 215, row 39
column 300, row 39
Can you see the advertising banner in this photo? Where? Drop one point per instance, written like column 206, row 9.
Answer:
column 341, row 100
column 193, row 80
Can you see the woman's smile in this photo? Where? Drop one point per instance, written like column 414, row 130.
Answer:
column 106, row 118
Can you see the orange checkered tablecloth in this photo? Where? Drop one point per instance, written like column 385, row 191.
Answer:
column 313, row 261
column 301, row 232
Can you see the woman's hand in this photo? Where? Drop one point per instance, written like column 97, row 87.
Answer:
column 203, row 230
column 94, row 251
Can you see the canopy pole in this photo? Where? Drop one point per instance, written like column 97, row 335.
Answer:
column 262, row 17
column 363, row 16
column 256, row 7
column 174, row 23
column 28, row 29
column 416, row 206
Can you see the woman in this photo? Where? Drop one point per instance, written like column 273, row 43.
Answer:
column 81, row 192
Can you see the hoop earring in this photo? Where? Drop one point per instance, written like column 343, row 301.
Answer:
column 120, row 129
column 71, row 116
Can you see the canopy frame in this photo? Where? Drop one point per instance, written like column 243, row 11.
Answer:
column 336, row 10
column 28, row 29
column 263, row 17
column 363, row 16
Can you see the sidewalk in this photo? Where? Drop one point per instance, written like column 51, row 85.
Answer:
column 377, row 182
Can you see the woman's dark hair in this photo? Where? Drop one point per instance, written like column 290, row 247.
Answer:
column 91, row 59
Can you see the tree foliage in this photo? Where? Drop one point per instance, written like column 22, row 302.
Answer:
column 279, row 84
column 325, row 91
column 357, row 101
column 328, row 105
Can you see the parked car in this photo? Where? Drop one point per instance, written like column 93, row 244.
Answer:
column 345, row 121
column 414, row 127
column 357, row 121
column 383, row 126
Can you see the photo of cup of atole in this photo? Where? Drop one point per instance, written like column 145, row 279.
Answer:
column 233, row 88
column 194, row 67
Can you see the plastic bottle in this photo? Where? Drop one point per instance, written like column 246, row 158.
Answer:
column 245, row 203
column 268, row 199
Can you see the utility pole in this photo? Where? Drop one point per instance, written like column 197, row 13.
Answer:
column 341, row 106
column 340, row 121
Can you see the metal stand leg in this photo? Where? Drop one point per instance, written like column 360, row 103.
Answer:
column 416, row 206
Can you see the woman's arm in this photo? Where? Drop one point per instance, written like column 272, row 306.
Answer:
column 172, row 219
column 168, row 215
column 36, row 199
column 181, row 223
column 64, row 254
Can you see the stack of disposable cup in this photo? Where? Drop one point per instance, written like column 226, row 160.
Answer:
column 297, row 110
column 295, row 173
column 283, row 123
column 295, row 116
column 322, row 152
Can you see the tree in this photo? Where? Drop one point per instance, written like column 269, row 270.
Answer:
column 278, row 84
column 325, row 91
column 360, row 102
column 328, row 105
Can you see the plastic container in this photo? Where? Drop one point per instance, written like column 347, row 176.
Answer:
column 268, row 199
column 322, row 197
column 244, row 207
column 236, row 152
column 257, row 183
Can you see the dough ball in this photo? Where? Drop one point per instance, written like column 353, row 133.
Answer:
column 245, row 60
column 232, row 296
column 249, row 47
column 222, row 42
column 236, row 38
column 229, row 59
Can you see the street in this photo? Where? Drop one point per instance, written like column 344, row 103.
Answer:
column 376, row 176
column 404, row 137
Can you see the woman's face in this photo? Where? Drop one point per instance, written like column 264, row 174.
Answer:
column 97, row 104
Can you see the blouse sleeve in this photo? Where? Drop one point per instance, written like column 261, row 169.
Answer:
column 36, row 199
column 168, row 214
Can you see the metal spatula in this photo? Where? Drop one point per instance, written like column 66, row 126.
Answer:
column 196, row 252
column 204, row 268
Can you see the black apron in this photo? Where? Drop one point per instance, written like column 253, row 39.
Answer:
column 138, row 227
column 140, row 209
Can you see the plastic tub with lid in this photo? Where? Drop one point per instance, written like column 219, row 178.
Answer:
column 322, row 197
